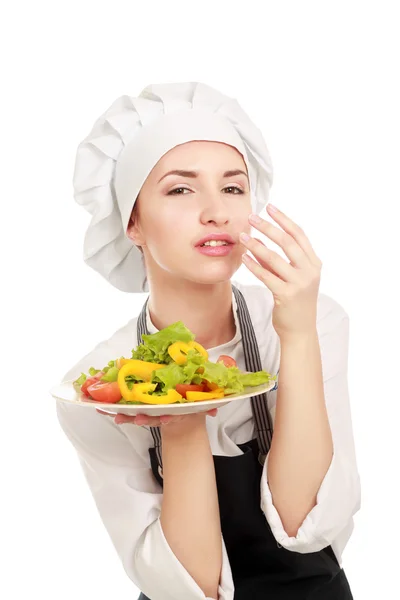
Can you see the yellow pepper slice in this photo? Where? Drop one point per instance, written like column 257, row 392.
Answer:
column 139, row 392
column 199, row 349
column 178, row 351
column 126, row 393
column 171, row 397
column 140, row 368
column 197, row 396
column 120, row 362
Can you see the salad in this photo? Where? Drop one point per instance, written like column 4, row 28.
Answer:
column 167, row 367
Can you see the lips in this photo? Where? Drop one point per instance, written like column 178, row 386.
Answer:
column 222, row 237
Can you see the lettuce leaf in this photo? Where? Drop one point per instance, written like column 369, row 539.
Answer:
column 81, row 380
column 155, row 345
column 169, row 376
column 229, row 378
column 93, row 371
column 110, row 375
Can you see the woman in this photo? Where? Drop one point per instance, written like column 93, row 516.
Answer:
column 259, row 501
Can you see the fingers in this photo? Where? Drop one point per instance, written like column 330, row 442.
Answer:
column 103, row 412
column 297, row 251
column 120, row 419
column 142, row 420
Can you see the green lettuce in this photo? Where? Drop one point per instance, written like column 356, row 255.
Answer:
column 231, row 378
column 93, row 371
column 154, row 348
column 169, row 376
column 110, row 375
column 81, row 380
column 155, row 345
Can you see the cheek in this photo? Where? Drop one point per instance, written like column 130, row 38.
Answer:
column 242, row 221
column 167, row 229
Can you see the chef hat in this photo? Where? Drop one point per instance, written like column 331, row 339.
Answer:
column 126, row 142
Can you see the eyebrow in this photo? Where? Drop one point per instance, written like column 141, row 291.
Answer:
column 182, row 173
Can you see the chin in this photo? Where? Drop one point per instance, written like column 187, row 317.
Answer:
column 215, row 274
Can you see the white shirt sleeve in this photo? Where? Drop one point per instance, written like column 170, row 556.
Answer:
column 339, row 496
column 128, row 497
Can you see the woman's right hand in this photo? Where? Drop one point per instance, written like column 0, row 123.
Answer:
column 155, row 421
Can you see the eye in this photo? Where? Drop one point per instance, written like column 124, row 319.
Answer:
column 234, row 187
column 172, row 192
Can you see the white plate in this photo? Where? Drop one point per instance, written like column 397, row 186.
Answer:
column 66, row 392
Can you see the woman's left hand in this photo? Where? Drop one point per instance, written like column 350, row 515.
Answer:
column 293, row 285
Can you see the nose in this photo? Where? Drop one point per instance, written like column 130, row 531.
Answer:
column 215, row 209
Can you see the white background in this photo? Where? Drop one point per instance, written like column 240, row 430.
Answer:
column 320, row 79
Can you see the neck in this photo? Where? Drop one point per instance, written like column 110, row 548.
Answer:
column 205, row 309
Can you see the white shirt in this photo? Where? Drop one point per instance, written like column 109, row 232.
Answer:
column 116, row 463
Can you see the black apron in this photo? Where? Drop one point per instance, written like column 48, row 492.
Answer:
column 261, row 568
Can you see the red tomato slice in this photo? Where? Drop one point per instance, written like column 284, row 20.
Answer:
column 90, row 381
column 105, row 391
column 227, row 360
column 182, row 388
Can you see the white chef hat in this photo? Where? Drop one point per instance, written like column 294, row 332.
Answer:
column 126, row 142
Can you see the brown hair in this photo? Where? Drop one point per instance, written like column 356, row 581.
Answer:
column 133, row 217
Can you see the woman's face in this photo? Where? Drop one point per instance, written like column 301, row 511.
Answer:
column 173, row 212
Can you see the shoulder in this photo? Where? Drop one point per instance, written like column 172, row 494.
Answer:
column 333, row 335
column 330, row 313
column 121, row 343
column 97, row 437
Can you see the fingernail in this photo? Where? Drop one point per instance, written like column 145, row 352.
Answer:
column 244, row 237
column 272, row 208
column 255, row 218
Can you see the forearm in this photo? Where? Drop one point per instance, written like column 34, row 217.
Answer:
column 301, row 448
column 190, row 516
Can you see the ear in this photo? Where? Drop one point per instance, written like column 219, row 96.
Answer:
column 133, row 231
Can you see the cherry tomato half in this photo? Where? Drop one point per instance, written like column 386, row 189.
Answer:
column 105, row 391
column 182, row 388
column 90, row 381
column 227, row 360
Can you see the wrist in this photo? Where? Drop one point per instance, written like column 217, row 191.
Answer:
column 188, row 426
column 299, row 339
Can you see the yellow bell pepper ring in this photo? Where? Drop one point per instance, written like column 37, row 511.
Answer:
column 171, row 397
column 140, row 368
column 126, row 393
column 198, row 396
column 140, row 391
column 199, row 349
column 178, row 351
